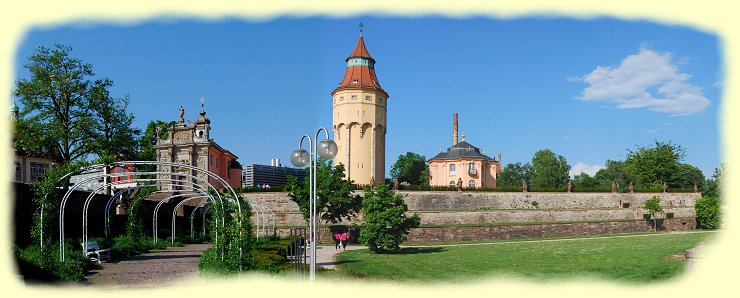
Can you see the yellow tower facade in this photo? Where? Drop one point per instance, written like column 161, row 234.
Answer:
column 359, row 119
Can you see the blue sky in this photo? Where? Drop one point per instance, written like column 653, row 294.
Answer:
column 586, row 89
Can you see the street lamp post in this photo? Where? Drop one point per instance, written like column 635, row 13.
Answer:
column 326, row 149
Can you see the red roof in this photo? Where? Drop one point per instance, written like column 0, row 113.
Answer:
column 359, row 76
column 360, row 50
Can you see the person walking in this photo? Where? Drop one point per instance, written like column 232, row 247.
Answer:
column 344, row 237
column 337, row 238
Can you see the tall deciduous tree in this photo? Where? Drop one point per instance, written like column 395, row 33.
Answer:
column 549, row 169
column 583, row 180
column 613, row 172
column 385, row 223
column 335, row 198
column 688, row 176
column 411, row 168
column 513, row 174
column 113, row 134
column 655, row 166
column 148, row 140
column 713, row 187
column 65, row 107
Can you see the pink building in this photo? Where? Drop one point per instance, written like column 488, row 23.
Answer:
column 464, row 162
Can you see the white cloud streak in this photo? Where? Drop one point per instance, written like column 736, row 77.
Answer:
column 580, row 167
column 645, row 80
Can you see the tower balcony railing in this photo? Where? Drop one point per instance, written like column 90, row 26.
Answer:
column 472, row 172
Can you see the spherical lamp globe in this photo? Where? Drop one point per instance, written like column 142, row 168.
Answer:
column 300, row 158
column 327, row 149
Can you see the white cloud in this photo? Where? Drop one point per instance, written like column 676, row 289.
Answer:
column 584, row 168
column 654, row 130
column 645, row 80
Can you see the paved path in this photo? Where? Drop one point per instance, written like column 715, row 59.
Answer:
column 325, row 255
column 157, row 267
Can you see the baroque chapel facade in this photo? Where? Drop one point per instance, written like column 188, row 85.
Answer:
column 189, row 144
column 359, row 119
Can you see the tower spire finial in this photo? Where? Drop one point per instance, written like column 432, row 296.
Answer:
column 361, row 25
column 202, row 103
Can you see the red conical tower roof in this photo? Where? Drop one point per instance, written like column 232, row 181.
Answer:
column 360, row 50
column 360, row 73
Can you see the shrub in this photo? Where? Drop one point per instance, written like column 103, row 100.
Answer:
column 707, row 213
column 211, row 263
column 669, row 215
column 385, row 224
column 535, row 204
column 625, row 205
column 43, row 264
column 646, row 216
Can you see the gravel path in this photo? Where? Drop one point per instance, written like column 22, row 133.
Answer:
column 154, row 268
column 162, row 267
column 325, row 255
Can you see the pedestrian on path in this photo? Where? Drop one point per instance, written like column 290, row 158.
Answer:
column 344, row 237
column 337, row 238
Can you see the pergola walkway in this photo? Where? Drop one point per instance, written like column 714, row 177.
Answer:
column 153, row 268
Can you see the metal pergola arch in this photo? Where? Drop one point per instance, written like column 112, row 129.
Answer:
column 174, row 211
column 209, row 174
column 89, row 198
column 192, row 219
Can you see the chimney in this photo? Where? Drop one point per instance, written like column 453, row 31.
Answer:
column 499, row 157
column 454, row 129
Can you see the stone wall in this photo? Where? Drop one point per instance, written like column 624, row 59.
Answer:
column 485, row 207
column 522, row 231
column 448, row 200
column 541, row 215
column 455, row 234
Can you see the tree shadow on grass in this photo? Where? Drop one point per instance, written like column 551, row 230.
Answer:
column 413, row 250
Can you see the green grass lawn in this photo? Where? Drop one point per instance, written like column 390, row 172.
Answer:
column 637, row 259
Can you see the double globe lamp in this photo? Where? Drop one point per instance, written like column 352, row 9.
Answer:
column 325, row 149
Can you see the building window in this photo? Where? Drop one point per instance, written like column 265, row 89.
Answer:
column 471, row 168
column 452, row 183
column 354, row 97
column 37, row 171
column 368, row 97
column 18, row 171
column 471, row 184
column 452, row 170
column 341, row 98
column 354, row 82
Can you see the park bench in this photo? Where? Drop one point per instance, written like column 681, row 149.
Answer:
column 93, row 251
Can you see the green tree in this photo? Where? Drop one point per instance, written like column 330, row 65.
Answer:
column 385, row 223
column 654, row 166
column 687, row 176
column 583, row 180
column 411, row 168
column 113, row 133
column 147, row 142
column 335, row 198
column 708, row 212
column 713, row 187
column 652, row 205
column 614, row 171
column 59, row 104
column 513, row 174
column 549, row 169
